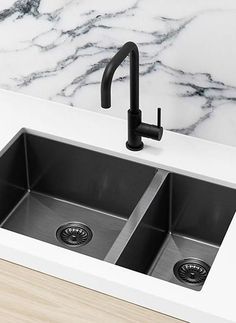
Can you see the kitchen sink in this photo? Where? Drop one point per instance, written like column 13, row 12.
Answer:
column 149, row 220
column 68, row 196
column 178, row 237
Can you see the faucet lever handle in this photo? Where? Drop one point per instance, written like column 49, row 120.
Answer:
column 159, row 117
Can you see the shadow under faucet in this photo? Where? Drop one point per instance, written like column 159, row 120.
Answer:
column 136, row 128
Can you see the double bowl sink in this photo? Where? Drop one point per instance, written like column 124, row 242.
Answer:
column 155, row 222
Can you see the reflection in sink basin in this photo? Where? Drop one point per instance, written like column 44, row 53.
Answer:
column 187, row 220
column 46, row 184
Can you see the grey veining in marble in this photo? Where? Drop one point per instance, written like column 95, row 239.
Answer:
column 58, row 50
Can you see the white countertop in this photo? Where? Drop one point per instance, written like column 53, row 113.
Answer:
column 215, row 303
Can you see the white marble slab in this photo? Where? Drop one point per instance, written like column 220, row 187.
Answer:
column 58, row 49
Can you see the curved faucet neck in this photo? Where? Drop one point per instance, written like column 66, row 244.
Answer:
column 131, row 49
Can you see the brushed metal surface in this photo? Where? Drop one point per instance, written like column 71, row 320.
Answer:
column 178, row 248
column 149, row 235
column 188, row 218
column 136, row 217
column 13, row 178
column 201, row 210
column 40, row 216
column 106, row 183
column 45, row 184
column 141, row 218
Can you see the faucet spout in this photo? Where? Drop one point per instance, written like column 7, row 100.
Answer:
column 131, row 49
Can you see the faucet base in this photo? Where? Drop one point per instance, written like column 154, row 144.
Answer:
column 134, row 142
column 140, row 147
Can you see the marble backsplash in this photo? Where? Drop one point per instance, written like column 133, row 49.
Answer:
column 58, row 50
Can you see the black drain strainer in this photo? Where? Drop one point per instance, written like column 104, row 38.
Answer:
column 74, row 234
column 191, row 271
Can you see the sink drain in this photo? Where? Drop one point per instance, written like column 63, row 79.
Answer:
column 191, row 271
column 74, row 234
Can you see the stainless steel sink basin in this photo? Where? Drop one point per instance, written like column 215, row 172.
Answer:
column 179, row 236
column 68, row 196
column 145, row 219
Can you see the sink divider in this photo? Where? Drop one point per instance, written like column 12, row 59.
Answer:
column 136, row 216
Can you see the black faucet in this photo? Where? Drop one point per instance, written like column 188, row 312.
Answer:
column 136, row 128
